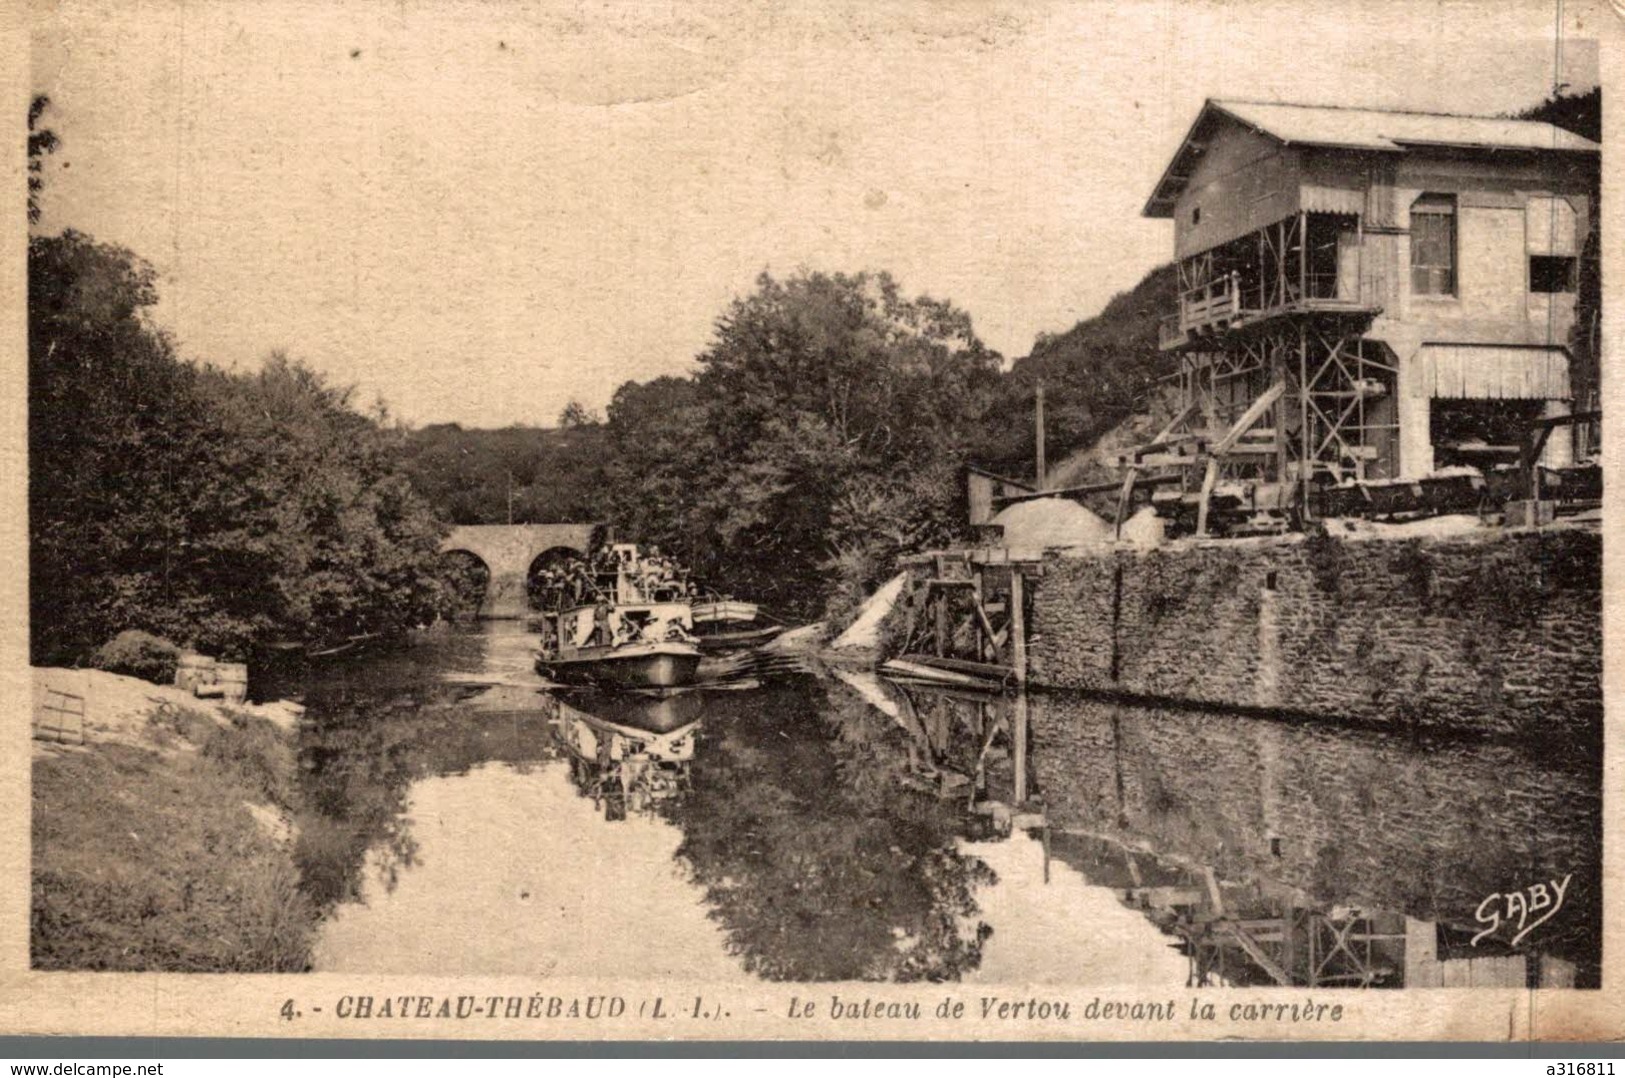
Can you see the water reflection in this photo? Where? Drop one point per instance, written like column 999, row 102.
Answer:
column 1313, row 854
column 843, row 827
column 518, row 874
column 629, row 752
column 813, row 860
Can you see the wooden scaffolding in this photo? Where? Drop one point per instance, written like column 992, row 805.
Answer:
column 1265, row 413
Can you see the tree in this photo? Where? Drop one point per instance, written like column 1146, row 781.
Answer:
column 817, row 391
column 113, row 429
column 1582, row 114
column 576, row 414
column 42, row 141
column 213, row 509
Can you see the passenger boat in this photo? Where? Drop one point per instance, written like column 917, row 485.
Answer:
column 637, row 634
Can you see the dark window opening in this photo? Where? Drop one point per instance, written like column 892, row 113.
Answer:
column 1196, row 215
column 1551, row 273
column 1269, row 580
column 1480, row 433
column 1433, row 245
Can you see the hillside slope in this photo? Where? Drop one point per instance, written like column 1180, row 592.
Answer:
column 1096, row 376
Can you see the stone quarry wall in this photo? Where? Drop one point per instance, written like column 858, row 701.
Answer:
column 1495, row 632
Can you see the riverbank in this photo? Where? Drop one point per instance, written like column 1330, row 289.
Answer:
column 163, row 832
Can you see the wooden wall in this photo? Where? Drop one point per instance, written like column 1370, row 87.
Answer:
column 1245, row 182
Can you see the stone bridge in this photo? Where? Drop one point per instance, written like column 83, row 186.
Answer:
column 509, row 550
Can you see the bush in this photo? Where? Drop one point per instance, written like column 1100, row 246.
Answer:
column 253, row 753
column 191, row 723
column 138, row 654
column 854, row 576
column 153, row 863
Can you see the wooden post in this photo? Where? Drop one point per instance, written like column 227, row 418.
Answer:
column 1038, row 423
column 1289, row 942
column 1303, row 256
column 1306, row 457
column 1280, row 262
column 979, row 616
column 1209, row 478
column 1018, row 626
column 1125, row 498
column 1018, row 722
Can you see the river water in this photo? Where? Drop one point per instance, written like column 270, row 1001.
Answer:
column 831, row 826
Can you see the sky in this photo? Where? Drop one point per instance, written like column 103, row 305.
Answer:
column 479, row 211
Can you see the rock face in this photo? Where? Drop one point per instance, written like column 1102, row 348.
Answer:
column 1493, row 632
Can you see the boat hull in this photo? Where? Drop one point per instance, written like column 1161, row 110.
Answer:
column 741, row 638
column 724, row 610
column 661, row 666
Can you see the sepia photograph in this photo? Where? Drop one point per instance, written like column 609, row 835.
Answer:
column 907, row 520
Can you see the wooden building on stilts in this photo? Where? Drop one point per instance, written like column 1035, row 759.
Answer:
column 1373, row 307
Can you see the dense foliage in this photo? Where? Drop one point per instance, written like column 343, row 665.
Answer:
column 1580, row 113
column 213, row 509
column 1095, row 375
column 520, row 475
column 824, row 433
column 826, row 424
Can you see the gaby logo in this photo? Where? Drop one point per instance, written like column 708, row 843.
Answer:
column 1520, row 907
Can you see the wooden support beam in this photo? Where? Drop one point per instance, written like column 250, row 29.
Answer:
column 980, row 618
column 1125, row 499
column 930, row 668
column 1090, row 488
column 1018, row 626
column 1168, row 460
column 1208, row 480
column 994, row 636
column 942, row 628
column 1018, row 723
column 1255, row 411
column 1256, row 952
column 1173, row 424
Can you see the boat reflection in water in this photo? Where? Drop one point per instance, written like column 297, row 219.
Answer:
column 628, row 751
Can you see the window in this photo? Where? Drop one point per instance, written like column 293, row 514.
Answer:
column 1196, row 215
column 1551, row 273
column 1433, row 245
column 1553, row 228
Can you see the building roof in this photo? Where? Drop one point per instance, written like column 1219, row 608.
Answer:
column 1356, row 129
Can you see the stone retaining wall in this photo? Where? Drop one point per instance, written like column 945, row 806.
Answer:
column 1492, row 632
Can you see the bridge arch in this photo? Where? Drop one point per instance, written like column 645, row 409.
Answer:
column 509, row 551
column 551, row 558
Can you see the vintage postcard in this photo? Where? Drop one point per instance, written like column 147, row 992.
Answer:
column 909, row 520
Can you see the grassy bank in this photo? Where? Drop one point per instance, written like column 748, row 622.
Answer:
column 169, row 851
